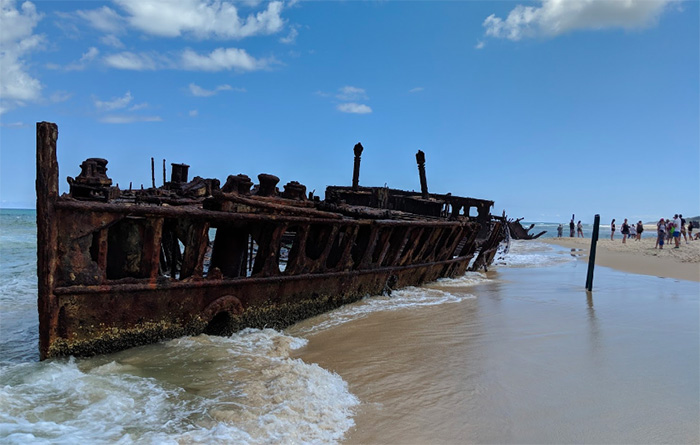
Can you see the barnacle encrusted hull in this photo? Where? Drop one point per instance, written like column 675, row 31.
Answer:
column 118, row 269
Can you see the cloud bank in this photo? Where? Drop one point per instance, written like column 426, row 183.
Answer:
column 555, row 17
column 17, row 40
column 200, row 19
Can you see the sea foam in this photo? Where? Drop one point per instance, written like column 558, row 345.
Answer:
column 239, row 389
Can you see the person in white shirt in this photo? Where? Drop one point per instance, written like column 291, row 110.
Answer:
column 677, row 231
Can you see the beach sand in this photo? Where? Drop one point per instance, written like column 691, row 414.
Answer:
column 640, row 257
column 526, row 356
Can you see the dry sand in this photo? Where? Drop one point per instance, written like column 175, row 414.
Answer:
column 640, row 257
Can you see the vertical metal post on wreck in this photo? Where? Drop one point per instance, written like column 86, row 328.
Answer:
column 420, row 159
column 356, row 168
column 47, row 231
column 591, row 255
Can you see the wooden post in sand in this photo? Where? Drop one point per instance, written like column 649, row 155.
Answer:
column 591, row 255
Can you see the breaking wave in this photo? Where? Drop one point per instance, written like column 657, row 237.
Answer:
column 239, row 389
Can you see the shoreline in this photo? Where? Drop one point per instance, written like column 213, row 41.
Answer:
column 639, row 257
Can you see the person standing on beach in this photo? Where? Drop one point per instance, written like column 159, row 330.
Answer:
column 612, row 229
column 660, row 233
column 640, row 229
column 579, row 230
column 669, row 230
column 683, row 228
column 633, row 231
column 560, row 231
column 572, row 228
column 677, row 231
column 690, row 230
column 625, row 230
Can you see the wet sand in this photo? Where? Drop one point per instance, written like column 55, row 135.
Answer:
column 531, row 357
column 640, row 257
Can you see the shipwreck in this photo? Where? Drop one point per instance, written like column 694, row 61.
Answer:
column 121, row 268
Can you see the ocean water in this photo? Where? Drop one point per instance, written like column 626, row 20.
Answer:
column 521, row 354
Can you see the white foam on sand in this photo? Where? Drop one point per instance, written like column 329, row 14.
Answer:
column 409, row 297
column 528, row 253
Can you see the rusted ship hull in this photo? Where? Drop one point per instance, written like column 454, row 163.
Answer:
column 117, row 270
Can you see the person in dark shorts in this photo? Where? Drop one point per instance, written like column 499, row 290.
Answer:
column 640, row 229
column 612, row 229
column 683, row 228
column 572, row 228
column 625, row 230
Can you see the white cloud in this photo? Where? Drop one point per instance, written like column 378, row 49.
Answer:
column 140, row 106
column 193, row 113
column 416, row 90
column 84, row 60
column 112, row 40
column 221, row 59
column 555, row 17
column 104, row 19
column 60, row 96
column 13, row 125
column 291, row 37
column 115, row 103
column 16, row 40
column 131, row 61
column 350, row 93
column 480, row 44
column 122, row 119
column 200, row 18
column 218, row 60
column 352, row 107
column 198, row 91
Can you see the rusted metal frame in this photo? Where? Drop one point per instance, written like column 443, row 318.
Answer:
column 47, row 231
column 447, row 247
column 197, row 213
column 396, row 258
column 279, row 208
column 229, row 253
column 449, row 250
column 193, row 284
column 436, row 246
column 366, row 261
column 297, row 262
column 488, row 248
column 267, row 258
column 345, row 261
column 428, row 255
column 451, row 243
column 470, row 245
column 320, row 263
column 384, row 241
column 150, row 256
column 428, row 246
column 195, row 249
column 394, row 244
column 102, row 246
column 411, row 245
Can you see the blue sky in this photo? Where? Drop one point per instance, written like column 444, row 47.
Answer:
column 548, row 108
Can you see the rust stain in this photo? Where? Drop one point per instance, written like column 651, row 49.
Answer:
column 120, row 268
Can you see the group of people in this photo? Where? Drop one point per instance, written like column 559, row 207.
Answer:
column 576, row 229
column 667, row 230
column 631, row 231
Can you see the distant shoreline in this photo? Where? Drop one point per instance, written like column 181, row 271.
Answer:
column 639, row 257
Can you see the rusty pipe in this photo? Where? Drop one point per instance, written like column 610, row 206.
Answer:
column 356, row 169
column 420, row 159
